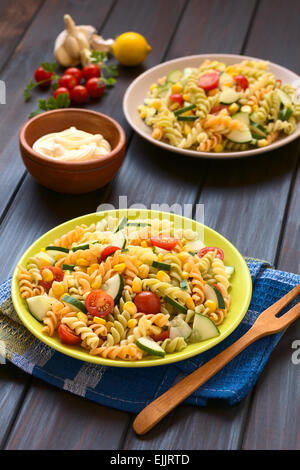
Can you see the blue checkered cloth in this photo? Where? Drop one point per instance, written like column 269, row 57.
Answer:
column 132, row 389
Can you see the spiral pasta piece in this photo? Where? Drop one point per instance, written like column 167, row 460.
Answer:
column 81, row 329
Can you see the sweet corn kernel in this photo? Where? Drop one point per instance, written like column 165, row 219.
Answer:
column 96, row 284
column 246, row 109
column 174, row 106
column 176, row 88
column 211, row 305
column 228, row 84
column 262, row 143
column 144, row 271
column 109, row 324
column 144, row 244
column 186, row 129
column 130, row 308
column 43, row 249
column 186, row 97
column 47, row 275
column 233, row 108
column 185, row 275
column 213, row 92
column 82, row 262
column 100, row 321
column 132, row 323
column 153, row 86
column 219, row 148
column 160, row 256
column 62, row 296
column 82, row 316
column 190, row 303
column 58, row 290
column 137, row 285
column 120, row 267
column 255, row 107
column 182, row 255
column 156, row 134
column 143, row 113
column 163, row 277
column 156, row 104
column 92, row 268
column 230, row 70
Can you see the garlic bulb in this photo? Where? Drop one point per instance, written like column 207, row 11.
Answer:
column 98, row 43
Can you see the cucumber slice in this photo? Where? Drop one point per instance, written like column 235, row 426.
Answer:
column 43, row 259
column 187, row 118
column 174, row 303
column 68, row 267
column 150, row 346
column 118, row 239
column 225, row 78
column 243, row 117
column 179, row 328
column 253, row 117
column 196, row 245
column 84, row 246
column 157, row 250
column 229, row 270
column 285, row 113
column 39, row 306
column 212, row 293
column 284, row 98
column 121, row 225
column 138, row 224
column 184, row 284
column 174, row 76
column 114, row 287
column 258, row 131
column 187, row 72
column 185, row 109
column 229, row 96
column 203, row 328
column 61, row 249
column 163, row 266
column 75, row 304
column 240, row 136
column 163, row 90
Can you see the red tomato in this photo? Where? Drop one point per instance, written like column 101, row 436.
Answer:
column 95, row 87
column 41, row 75
column 79, row 94
column 90, row 71
column 279, row 82
column 209, row 81
column 177, row 98
column 220, row 253
column 147, row 302
column 75, row 72
column 99, row 303
column 61, row 90
column 58, row 276
column 66, row 335
column 216, row 109
column 161, row 336
column 67, row 81
column 242, row 81
column 108, row 250
column 167, row 243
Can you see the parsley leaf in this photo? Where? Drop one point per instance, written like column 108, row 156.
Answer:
column 62, row 101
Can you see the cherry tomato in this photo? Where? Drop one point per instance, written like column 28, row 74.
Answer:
column 161, row 336
column 209, row 81
column 79, row 94
column 90, row 71
column 147, row 302
column 58, row 275
column 67, row 81
column 177, row 98
column 75, row 72
column 61, row 90
column 95, row 87
column 167, row 243
column 279, row 82
column 66, row 335
column 242, row 81
column 108, row 250
column 41, row 75
column 99, row 303
column 216, row 109
column 220, row 253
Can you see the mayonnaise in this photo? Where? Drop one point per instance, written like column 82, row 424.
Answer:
column 72, row 145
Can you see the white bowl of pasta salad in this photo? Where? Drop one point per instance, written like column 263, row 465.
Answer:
column 131, row 290
column 215, row 105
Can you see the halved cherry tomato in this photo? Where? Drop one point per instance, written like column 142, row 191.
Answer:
column 162, row 336
column 162, row 241
column 58, row 275
column 108, row 250
column 66, row 335
column 220, row 253
column 216, row 109
column 208, row 81
column 242, row 81
column 147, row 302
column 75, row 72
column 177, row 98
column 99, row 303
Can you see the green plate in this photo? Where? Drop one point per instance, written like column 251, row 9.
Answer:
column 240, row 293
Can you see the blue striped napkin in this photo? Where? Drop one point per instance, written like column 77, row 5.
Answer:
column 132, row 389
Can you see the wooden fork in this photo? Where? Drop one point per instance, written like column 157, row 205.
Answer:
column 266, row 324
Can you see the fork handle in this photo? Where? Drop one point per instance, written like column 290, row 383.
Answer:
column 165, row 403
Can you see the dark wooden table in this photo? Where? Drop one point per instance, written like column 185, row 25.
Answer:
column 254, row 202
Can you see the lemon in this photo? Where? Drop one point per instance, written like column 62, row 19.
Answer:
column 130, row 48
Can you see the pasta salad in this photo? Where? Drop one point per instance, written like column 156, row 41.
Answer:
column 127, row 289
column 218, row 107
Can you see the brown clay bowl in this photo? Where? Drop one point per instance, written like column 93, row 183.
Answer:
column 72, row 177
